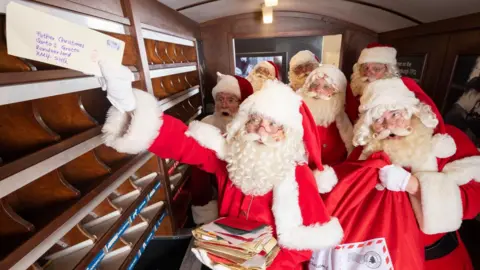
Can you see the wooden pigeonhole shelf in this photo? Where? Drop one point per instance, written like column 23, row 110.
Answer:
column 67, row 201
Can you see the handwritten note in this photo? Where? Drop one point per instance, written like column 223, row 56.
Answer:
column 58, row 42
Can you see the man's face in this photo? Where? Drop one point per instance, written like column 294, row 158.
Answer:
column 305, row 69
column 322, row 89
column 374, row 71
column 226, row 104
column 392, row 125
column 263, row 72
column 263, row 130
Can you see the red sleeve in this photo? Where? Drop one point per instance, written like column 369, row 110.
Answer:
column 351, row 105
column 470, row 192
column 173, row 143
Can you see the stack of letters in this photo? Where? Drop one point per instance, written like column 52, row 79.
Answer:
column 237, row 243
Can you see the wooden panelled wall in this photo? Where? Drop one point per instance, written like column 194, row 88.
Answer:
column 67, row 201
column 217, row 36
column 442, row 42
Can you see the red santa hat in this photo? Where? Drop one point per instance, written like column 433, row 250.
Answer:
column 392, row 94
column 303, row 57
column 292, row 114
column 331, row 74
column 234, row 85
column 378, row 53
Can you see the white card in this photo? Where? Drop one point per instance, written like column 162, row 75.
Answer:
column 55, row 41
column 368, row 255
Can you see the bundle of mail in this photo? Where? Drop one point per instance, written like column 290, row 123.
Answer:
column 237, row 244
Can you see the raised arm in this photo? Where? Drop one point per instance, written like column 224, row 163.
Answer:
column 135, row 124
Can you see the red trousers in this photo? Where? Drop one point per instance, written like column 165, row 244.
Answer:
column 201, row 187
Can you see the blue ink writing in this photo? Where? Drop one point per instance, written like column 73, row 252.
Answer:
column 46, row 48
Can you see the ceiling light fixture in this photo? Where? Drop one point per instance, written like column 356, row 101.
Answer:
column 271, row 3
column 267, row 13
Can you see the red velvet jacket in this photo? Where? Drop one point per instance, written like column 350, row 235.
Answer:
column 441, row 190
column 298, row 223
column 333, row 147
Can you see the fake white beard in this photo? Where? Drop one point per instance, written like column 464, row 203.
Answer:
column 409, row 151
column 358, row 83
column 324, row 111
column 221, row 121
column 296, row 82
column 257, row 81
column 256, row 168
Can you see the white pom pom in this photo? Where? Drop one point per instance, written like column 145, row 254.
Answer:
column 326, row 179
column 443, row 145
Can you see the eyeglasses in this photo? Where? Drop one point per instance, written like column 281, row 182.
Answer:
column 384, row 120
column 257, row 122
column 305, row 68
column 328, row 85
column 374, row 67
column 227, row 100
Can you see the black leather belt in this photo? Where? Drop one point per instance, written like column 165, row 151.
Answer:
column 443, row 247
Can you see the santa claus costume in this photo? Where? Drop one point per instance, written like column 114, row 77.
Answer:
column 443, row 159
column 300, row 67
column 383, row 54
column 204, row 207
column 234, row 85
column 334, row 128
column 263, row 71
column 278, row 187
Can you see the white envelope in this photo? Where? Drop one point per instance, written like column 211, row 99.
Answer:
column 368, row 255
column 56, row 41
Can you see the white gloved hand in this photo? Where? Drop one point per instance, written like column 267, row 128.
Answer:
column 117, row 80
column 204, row 259
column 394, row 178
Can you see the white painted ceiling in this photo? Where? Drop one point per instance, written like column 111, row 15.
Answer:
column 369, row 17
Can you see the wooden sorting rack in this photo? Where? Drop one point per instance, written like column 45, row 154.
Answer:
column 67, row 201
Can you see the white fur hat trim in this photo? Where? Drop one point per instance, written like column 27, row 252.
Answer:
column 302, row 57
column 226, row 84
column 387, row 93
column 384, row 55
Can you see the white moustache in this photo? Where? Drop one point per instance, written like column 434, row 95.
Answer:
column 266, row 140
column 368, row 79
column 395, row 131
column 317, row 95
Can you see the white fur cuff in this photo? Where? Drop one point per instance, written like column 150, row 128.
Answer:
column 441, row 202
column 205, row 214
column 463, row 170
column 143, row 129
column 313, row 237
column 443, row 145
column 326, row 179
column 208, row 136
